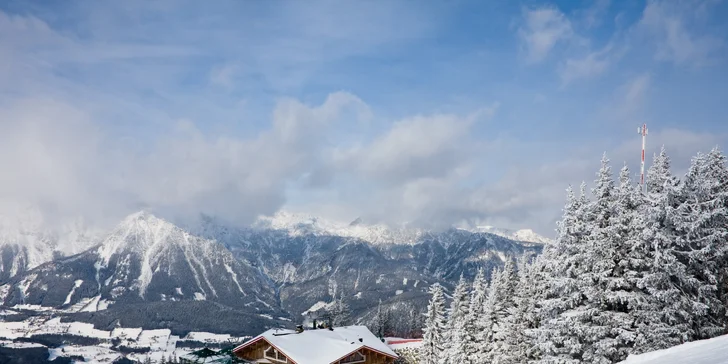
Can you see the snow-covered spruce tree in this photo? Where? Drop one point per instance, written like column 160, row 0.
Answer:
column 499, row 302
column 340, row 312
column 486, row 320
column 699, row 218
column 597, row 317
column 713, row 227
column 413, row 322
column 621, row 261
column 458, row 332
column 382, row 320
column 517, row 347
column 435, row 326
column 559, row 336
column 476, row 313
column 667, row 322
column 538, row 274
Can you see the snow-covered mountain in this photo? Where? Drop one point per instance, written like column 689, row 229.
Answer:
column 297, row 224
column 311, row 260
column 282, row 266
column 302, row 224
column 525, row 235
column 27, row 240
column 145, row 259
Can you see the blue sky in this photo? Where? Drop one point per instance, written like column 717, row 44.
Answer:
column 443, row 112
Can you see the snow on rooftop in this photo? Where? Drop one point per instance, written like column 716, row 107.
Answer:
column 208, row 337
column 711, row 351
column 400, row 343
column 19, row 345
column 97, row 353
column 126, row 333
column 333, row 344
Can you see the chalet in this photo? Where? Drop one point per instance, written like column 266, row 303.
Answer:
column 338, row 345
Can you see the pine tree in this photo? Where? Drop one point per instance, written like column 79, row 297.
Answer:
column 500, row 301
column 340, row 312
column 563, row 307
column 683, row 214
column 382, row 320
column 457, row 348
column 699, row 218
column 712, row 233
column 487, row 319
column 622, row 255
column 476, row 323
column 517, row 345
column 597, row 334
column 667, row 322
column 435, row 326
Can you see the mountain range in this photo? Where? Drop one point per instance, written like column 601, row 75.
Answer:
column 210, row 275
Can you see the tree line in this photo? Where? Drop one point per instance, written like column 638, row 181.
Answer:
column 629, row 272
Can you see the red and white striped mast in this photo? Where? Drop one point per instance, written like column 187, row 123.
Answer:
column 643, row 131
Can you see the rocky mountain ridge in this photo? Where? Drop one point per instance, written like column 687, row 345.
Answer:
column 271, row 274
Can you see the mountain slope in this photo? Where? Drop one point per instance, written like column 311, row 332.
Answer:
column 264, row 273
column 313, row 260
column 27, row 240
column 146, row 259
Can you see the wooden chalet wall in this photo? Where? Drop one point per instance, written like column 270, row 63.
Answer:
column 255, row 351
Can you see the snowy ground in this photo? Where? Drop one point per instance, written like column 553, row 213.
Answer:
column 711, row 351
column 158, row 344
column 400, row 343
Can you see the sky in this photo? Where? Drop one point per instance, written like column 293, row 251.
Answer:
column 434, row 113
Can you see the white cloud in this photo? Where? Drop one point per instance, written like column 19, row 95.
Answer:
column 673, row 26
column 543, row 28
column 592, row 65
column 593, row 15
column 49, row 152
column 224, row 75
column 634, row 94
column 416, row 148
column 58, row 158
column 113, row 142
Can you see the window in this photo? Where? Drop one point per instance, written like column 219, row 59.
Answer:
column 356, row 357
column 273, row 354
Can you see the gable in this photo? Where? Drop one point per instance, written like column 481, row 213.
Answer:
column 363, row 354
column 260, row 348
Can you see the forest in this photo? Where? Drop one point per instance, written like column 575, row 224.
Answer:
column 631, row 271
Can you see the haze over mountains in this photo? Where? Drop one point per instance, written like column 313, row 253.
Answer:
column 267, row 274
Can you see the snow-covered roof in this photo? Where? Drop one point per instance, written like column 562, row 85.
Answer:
column 711, row 351
column 322, row 345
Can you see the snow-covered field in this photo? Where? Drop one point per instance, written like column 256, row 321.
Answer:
column 152, row 344
column 711, row 351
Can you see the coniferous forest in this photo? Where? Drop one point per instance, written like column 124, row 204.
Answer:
column 629, row 272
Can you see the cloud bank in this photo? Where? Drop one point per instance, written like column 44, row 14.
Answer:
column 342, row 111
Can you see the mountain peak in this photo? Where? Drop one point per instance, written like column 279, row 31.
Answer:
column 142, row 215
column 524, row 235
column 138, row 231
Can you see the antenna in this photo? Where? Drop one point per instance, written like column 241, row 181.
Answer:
column 643, row 131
